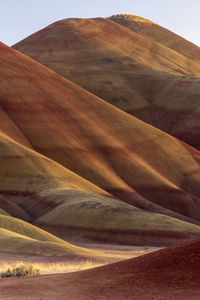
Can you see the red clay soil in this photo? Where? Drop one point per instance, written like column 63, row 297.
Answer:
column 172, row 273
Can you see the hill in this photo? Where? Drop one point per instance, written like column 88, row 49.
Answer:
column 37, row 189
column 88, row 218
column 118, row 154
column 17, row 236
column 172, row 273
column 26, row 176
column 129, row 66
column 108, row 41
column 159, row 34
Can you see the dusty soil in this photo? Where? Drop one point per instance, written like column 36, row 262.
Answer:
column 171, row 273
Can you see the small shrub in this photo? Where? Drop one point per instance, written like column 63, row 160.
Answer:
column 21, row 271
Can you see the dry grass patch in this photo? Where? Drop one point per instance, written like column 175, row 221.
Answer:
column 22, row 268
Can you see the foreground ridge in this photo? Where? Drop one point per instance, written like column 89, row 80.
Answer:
column 171, row 273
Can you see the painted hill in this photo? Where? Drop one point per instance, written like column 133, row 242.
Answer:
column 108, row 41
column 17, row 236
column 158, row 34
column 84, row 218
column 172, row 273
column 151, row 79
column 42, row 191
column 27, row 178
column 118, row 154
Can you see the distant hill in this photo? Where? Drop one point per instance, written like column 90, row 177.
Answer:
column 158, row 34
column 135, row 64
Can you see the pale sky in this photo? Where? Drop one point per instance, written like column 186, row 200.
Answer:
column 20, row 18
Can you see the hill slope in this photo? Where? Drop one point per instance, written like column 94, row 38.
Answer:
column 85, row 217
column 158, row 34
column 38, row 189
column 63, row 40
column 17, row 236
column 27, row 176
column 152, row 81
column 129, row 140
column 116, row 152
column 172, row 273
